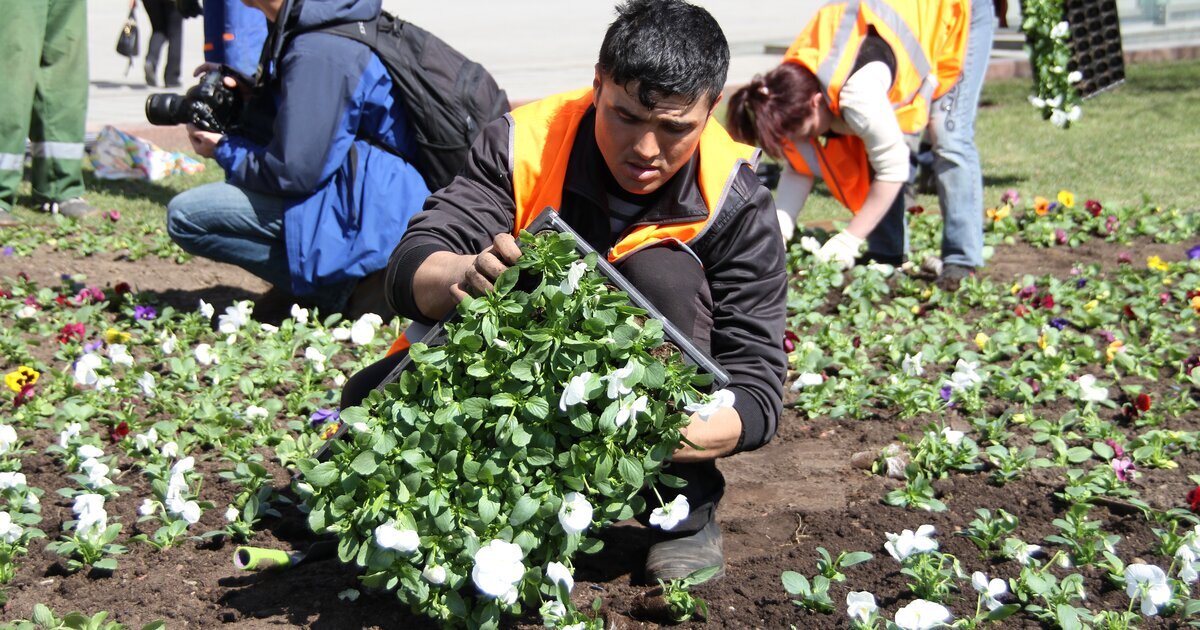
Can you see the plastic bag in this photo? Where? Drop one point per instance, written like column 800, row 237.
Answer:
column 119, row 155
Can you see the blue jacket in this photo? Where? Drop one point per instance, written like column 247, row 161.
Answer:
column 348, row 199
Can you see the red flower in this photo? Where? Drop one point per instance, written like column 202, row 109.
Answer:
column 23, row 396
column 1093, row 207
column 122, row 288
column 1165, row 297
column 789, row 341
column 1142, row 402
column 6, row 294
column 1034, row 385
column 1044, row 301
column 1129, row 314
column 1193, row 498
column 1021, row 310
column 916, row 210
column 119, row 432
column 71, row 332
column 61, row 300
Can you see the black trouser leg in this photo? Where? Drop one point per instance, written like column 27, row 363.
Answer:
column 174, row 46
column 363, row 381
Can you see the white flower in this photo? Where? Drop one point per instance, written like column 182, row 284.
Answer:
column 1037, row 102
column 188, row 511
column 8, row 437
column 554, row 609
column 147, row 383
column 965, row 376
column 31, row 502
column 574, row 275
column 176, row 486
column 911, row 365
column 255, row 413
column 169, row 343
column 1055, row 102
column 389, row 536
column 807, row 379
column 146, row 508
column 860, row 605
column 1059, row 118
column 1148, row 583
column 616, row 381
column 184, row 465
column 85, row 369
column 235, row 317
column 363, row 330
column 299, row 314
column 88, row 508
column 231, row 514
column 341, row 334
column 1075, row 77
column 672, row 514
column 10, row 532
column 1060, row 30
column 558, row 573
column 952, row 437
column 1024, row 553
column 575, row 515
column 119, row 355
column 72, row 430
column 630, row 410
column 145, row 441
column 434, row 574
column 907, row 543
column 339, row 379
column 205, row 355
column 922, row 615
column 11, row 480
column 89, row 451
column 810, row 244
column 27, row 312
column 314, row 356
column 1089, row 391
column 97, row 473
column 206, row 309
column 714, row 402
column 498, row 569
column 990, row 589
column 1074, row 113
column 1187, row 558
column 105, row 383
column 576, row 391
column 169, row 450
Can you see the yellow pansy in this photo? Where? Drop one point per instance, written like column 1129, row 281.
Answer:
column 1041, row 206
column 916, row 309
column 20, row 377
column 996, row 215
column 112, row 335
column 1016, row 288
column 1157, row 264
column 1091, row 306
column 1018, row 418
column 1066, row 198
column 1042, row 341
column 927, row 293
column 1196, row 304
column 1110, row 353
column 981, row 340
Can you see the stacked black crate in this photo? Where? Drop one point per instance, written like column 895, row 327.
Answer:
column 1095, row 44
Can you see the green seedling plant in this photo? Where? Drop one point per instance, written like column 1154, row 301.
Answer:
column 44, row 619
column 812, row 595
column 831, row 567
column 682, row 604
column 986, row 531
column 916, row 492
column 1084, row 538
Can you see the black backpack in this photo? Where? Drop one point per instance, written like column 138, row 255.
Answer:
column 449, row 98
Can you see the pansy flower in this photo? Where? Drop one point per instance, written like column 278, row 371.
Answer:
column 1157, row 264
column 1093, row 207
column 1041, row 206
column 1194, row 253
column 1011, row 197
column 21, row 378
column 144, row 312
column 1066, row 198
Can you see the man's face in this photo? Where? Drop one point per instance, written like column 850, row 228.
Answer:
column 644, row 148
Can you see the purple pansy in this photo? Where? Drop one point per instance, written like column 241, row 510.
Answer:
column 1059, row 323
column 321, row 416
column 144, row 312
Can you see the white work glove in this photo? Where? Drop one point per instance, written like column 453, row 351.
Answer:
column 841, row 249
column 787, row 224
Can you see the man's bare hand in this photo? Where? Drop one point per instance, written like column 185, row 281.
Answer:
column 203, row 142
column 480, row 275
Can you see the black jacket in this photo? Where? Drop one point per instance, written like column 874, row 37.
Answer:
column 742, row 254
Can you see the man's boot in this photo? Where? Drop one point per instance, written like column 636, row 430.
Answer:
column 677, row 558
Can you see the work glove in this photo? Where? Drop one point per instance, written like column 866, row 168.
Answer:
column 842, row 249
column 787, row 224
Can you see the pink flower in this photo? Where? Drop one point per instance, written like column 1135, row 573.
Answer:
column 1117, row 450
column 1124, row 468
column 1011, row 196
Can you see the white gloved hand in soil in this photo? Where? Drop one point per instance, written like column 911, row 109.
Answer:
column 787, row 224
column 841, row 249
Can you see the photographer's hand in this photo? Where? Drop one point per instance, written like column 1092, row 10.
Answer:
column 445, row 278
column 203, row 142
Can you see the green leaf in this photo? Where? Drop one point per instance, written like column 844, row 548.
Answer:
column 522, row 370
column 795, row 583
column 106, row 564
column 43, row 617
column 1003, row 612
column 488, row 509
column 631, row 471
column 525, row 508
column 537, row 407
column 857, row 557
column 323, row 474
column 366, row 463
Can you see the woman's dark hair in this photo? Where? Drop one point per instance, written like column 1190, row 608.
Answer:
column 765, row 111
column 669, row 47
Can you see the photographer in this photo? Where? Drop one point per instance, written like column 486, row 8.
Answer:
column 319, row 203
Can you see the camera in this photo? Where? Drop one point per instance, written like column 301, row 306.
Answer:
column 209, row 105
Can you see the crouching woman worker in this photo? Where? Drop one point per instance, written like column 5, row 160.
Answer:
column 637, row 166
column 859, row 77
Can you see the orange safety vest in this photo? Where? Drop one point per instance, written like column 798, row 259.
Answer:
column 929, row 40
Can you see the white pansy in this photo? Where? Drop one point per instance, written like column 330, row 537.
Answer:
column 31, row 502
column 190, row 512
column 231, row 514
column 669, row 516
column 184, row 465
column 911, row 365
column 1054, row 102
column 11, row 480
column 434, row 574
column 299, row 314
column 119, row 355
column 363, row 330
column 145, row 441
column 1024, row 553
column 97, row 473
column 631, row 410
column 207, row 309
column 89, row 508
column 89, row 451
column 268, row 329
column 1149, row 584
column 8, row 438
column 72, row 430
column 1074, row 113
column 965, row 375
column 1089, row 391
column 85, row 369
column 498, row 568
column 146, row 508
column 1075, row 76
column 616, row 381
column 922, row 615
column 105, row 383
column 575, row 391
column 147, row 383
column 574, row 275
column 807, row 379
column 558, row 573
column 712, row 403
column 810, row 244
column 315, row 357
column 908, row 542
column 575, row 515
column 27, row 311
column 952, row 437
column 990, row 589
column 255, row 413
column 1059, row 118
column 169, row 450
column 1060, row 30
column 553, row 610
column 391, row 537
column 235, row 317
column 10, row 532
column 204, row 354
column 1187, row 560
column 341, row 334
column 860, row 605
column 170, row 343
column 1037, row 102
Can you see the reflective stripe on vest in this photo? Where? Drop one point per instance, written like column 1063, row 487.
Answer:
column 541, row 136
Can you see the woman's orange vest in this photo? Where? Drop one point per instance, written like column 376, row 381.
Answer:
column 543, row 133
column 929, row 40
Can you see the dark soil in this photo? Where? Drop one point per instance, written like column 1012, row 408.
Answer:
column 782, row 502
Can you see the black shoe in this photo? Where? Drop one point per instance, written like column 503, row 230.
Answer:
column 151, row 69
column 953, row 275
column 677, row 558
column 173, row 83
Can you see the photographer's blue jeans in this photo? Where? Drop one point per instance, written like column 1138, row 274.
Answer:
column 244, row 228
column 956, row 167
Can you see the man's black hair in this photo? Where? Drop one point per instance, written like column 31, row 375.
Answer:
column 670, row 47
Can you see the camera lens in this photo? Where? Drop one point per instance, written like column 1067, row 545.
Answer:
column 164, row 109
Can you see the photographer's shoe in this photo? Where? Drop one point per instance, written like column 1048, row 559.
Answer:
column 677, row 558
column 953, row 275
column 151, row 73
column 75, row 208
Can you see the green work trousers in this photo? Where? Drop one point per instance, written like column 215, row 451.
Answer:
column 43, row 96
